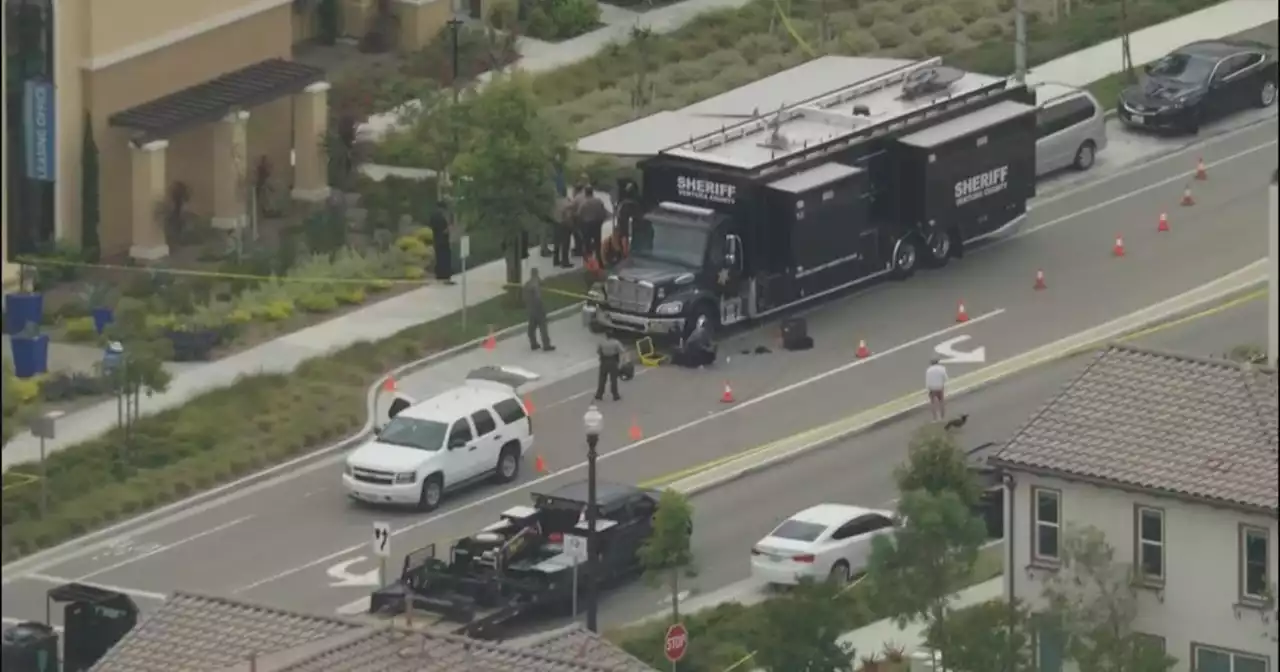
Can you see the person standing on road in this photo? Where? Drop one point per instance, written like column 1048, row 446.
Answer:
column 935, row 382
column 564, row 231
column 537, row 312
column 610, row 353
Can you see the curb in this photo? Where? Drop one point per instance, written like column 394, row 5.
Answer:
column 1226, row 286
column 249, row 480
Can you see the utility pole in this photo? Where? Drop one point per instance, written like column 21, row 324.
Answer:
column 1020, row 41
column 1273, row 313
column 1126, row 55
column 593, row 422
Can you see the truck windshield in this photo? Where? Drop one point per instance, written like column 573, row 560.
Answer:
column 414, row 433
column 670, row 241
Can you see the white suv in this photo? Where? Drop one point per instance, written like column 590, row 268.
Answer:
column 452, row 440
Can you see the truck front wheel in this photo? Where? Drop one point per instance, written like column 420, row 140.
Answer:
column 938, row 248
column 905, row 256
column 702, row 310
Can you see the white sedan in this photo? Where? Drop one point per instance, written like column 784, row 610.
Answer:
column 824, row 541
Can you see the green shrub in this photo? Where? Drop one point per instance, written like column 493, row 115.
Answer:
column 318, row 302
column 937, row 42
column 878, row 11
column 941, row 16
column 79, row 330
column 858, row 43
column 985, row 29
column 890, row 35
column 560, row 19
column 975, row 10
column 912, row 6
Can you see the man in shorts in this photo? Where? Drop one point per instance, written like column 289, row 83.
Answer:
column 935, row 382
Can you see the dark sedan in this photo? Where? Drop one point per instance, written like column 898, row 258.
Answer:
column 1201, row 82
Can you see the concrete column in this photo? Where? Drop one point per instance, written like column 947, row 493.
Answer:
column 230, row 163
column 147, row 168
column 1273, row 298
column 310, row 124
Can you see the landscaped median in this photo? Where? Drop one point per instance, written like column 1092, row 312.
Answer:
column 224, row 434
column 723, row 50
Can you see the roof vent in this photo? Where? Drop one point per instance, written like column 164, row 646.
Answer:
column 861, row 110
column 929, row 81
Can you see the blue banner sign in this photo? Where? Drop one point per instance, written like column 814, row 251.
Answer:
column 39, row 128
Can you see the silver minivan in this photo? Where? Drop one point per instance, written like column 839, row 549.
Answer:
column 1071, row 128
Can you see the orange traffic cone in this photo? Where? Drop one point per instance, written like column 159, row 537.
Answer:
column 634, row 432
column 1164, row 223
column 1202, row 173
column 962, row 315
column 389, row 384
column 539, row 465
column 592, row 265
column 863, row 351
column 726, row 397
column 528, row 404
column 1187, row 199
column 491, row 342
column 1040, row 281
column 1118, row 249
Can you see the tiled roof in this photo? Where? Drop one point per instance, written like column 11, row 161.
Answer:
column 197, row 633
column 392, row 649
column 1202, row 429
column 578, row 643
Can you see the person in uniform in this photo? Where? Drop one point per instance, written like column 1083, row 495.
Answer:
column 698, row 349
column 537, row 312
column 564, row 231
column 592, row 214
column 610, row 354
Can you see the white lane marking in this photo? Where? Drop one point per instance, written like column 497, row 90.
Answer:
column 344, row 578
column 162, row 548
column 132, row 592
column 360, row 606
column 949, row 355
column 748, row 403
column 9, row 620
column 1123, row 197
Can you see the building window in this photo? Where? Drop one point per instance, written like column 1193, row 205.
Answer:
column 1149, row 538
column 1046, row 524
column 1255, row 546
column 1209, row 659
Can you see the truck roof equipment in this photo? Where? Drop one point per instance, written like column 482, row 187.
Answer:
column 875, row 104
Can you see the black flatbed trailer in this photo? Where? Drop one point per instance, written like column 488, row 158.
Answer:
column 518, row 567
column 739, row 237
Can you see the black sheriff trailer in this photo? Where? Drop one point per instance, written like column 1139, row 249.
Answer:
column 902, row 168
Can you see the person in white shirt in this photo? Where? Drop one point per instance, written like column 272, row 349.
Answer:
column 935, row 381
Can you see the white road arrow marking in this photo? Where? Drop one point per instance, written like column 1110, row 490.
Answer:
column 947, row 350
column 343, row 578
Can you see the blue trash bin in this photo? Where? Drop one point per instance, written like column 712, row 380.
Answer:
column 30, row 355
column 21, row 309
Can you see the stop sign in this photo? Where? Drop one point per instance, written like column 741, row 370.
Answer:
column 677, row 642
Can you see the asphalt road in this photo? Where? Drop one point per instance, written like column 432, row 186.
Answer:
column 859, row 470
column 289, row 543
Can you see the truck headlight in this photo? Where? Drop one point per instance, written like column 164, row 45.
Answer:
column 671, row 308
column 406, row 477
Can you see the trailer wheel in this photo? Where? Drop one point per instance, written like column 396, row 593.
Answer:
column 905, row 256
column 432, row 493
column 938, row 248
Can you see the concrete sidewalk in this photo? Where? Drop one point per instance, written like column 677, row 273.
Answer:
column 871, row 640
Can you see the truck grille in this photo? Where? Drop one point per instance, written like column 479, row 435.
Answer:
column 629, row 295
column 371, row 476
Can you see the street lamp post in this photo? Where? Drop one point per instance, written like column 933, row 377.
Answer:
column 593, row 423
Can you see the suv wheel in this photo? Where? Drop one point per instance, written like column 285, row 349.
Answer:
column 508, row 468
column 432, row 493
column 1085, row 155
column 1267, row 94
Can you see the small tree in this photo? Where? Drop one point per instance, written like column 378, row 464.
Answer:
column 668, row 552
column 89, row 187
column 936, row 464
column 1093, row 599
column 802, row 629
column 988, row 637
column 931, row 555
column 504, row 183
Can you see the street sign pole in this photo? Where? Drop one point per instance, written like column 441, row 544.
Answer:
column 464, row 251
column 576, row 548
column 575, row 590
